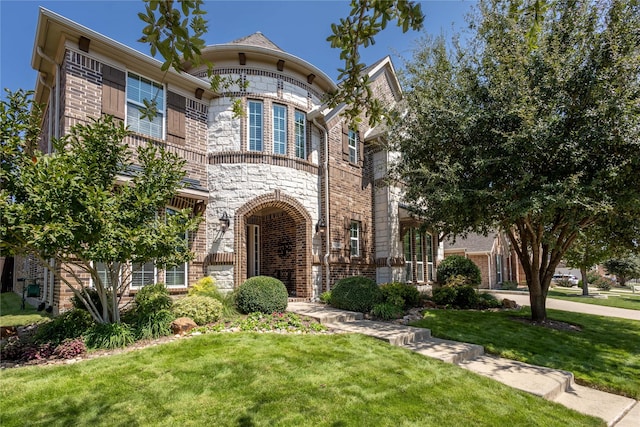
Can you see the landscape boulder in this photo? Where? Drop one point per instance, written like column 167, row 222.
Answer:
column 182, row 325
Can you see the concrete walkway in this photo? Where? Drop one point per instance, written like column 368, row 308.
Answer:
column 551, row 384
column 522, row 298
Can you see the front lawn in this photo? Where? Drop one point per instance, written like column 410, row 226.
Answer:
column 12, row 315
column 251, row 379
column 605, row 354
column 628, row 301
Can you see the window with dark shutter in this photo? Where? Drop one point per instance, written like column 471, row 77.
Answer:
column 113, row 92
column 360, row 143
column 345, row 142
column 176, row 109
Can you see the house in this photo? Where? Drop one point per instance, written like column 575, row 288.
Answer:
column 287, row 190
column 492, row 254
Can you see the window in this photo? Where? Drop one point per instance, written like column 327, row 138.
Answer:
column 176, row 276
column 301, row 135
column 142, row 274
column 353, row 146
column 415, row 245
column 354, row 238
column 279, row 129
column 255, row 126
column 103, row 273
column 140, row 89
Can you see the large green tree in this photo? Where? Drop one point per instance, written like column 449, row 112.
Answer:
column 537, row 133
column 69, row 206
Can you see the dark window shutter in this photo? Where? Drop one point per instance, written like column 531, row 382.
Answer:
column 176, row 108
column 113, row 91
column 345, row 142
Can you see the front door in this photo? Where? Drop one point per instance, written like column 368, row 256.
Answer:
column 253, row 250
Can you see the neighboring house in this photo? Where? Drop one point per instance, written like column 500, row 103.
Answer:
column 288, row 190
column 492, row 254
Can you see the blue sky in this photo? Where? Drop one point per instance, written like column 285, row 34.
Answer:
column 298, row 27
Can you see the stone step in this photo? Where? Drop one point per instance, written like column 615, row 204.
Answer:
column 389, row 332
column 446, row 350
column 540, row 381
column 323, row 313
column 610, row 407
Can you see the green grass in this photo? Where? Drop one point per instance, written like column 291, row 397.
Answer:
column 250, row 379
column 12, row 315
column 604, row 355
column 628, row 301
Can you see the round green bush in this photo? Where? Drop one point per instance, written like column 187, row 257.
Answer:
column 356, row 293
column 262, row 294
column 466, row 297
column 445, row 295
column 486, row 300
column 151, row 299
column 402, row 295
column 199, row 308
column 456, row 265
column 387, row 311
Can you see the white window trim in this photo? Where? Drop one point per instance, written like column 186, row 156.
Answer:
column 355, row 239
column 273, row 127
column 353, row 146
column 155, row 275
column 162, row 109
column 91, row 282
column 249, row 126
column 303, row 134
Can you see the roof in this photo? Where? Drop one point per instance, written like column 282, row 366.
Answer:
column 256, row 39
column 472, row 243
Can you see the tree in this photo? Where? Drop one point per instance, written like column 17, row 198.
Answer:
column 69, row 207
column 539, row 139
column 624, row 268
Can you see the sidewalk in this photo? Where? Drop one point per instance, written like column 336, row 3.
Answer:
column 522, row 298
column 551, row 384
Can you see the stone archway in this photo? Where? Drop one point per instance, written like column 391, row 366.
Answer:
column 284, row 243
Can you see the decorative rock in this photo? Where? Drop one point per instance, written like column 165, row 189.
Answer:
column 182, row 325
column 509, row 303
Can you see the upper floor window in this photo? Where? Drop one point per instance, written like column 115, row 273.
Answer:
column 354, row 238
column 140, row 89
column 279, row 129
column 255, row 126
column 353, row 146
column 301, row 134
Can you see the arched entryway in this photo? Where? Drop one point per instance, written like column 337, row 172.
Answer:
column 273, row 238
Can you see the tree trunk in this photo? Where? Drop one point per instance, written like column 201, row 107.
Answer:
column 585, row 282
column 538, row 306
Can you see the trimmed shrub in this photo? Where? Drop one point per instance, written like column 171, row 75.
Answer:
column 151, row 299
column 466, row 297
column 109, row 335
column 403, row 295
column 201, row 309
column 356, row 293
column 71, row 324
column 262, row 294
column 387, row 311
column 445, row 295
column 509, row 285
column 456, row 265
column 486, row 300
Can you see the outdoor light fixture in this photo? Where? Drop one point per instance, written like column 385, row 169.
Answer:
column 310, row 78
column 83, row 44
column 224, row 221
column 199, row 93
column 321, row 226
column 280, row 64
column 242, row 58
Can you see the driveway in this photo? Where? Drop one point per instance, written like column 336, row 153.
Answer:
column 522, row 298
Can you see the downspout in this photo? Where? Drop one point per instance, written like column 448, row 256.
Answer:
column 326, row 202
